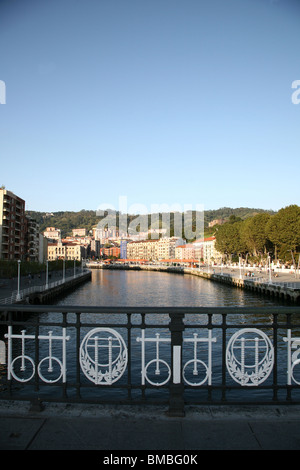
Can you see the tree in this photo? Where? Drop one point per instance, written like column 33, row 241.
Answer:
column 273, row 234
column 284, row 231
column 233, row 219
column 228, row 240
column 254, row 234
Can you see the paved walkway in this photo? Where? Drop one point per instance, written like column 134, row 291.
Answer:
column 8, row 286
column 282, row 276
column 144, row 430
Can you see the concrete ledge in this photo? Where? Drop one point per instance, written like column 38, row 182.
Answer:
column 49, row 294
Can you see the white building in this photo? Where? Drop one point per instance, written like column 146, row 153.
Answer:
column 52, row 233
column 163, row 248
column 186, row 251
column 207, row 249
column 67, row 251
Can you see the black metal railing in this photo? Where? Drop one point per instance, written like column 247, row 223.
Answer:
column 150, row 355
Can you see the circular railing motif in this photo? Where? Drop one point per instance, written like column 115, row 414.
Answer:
column 103, row 356
column 249, row 357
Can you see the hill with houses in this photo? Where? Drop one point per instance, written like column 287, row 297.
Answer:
column 66, row 221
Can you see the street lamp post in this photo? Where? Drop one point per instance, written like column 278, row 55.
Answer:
column 19, row 272
column 294, row 263
column 74, row 268
column 47, row 273
column 64, row 269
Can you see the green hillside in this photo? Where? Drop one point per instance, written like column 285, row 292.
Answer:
column 66, row 220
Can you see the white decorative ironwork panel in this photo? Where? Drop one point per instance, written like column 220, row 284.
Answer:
column 159, row 363
column 293, row 360
column 163, row 368
column 249, row 357
column 197, row 364
column 103, row 356
column 22, row 367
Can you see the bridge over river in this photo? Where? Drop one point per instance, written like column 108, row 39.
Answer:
column 146, row 337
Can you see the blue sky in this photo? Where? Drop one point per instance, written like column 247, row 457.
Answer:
column 159, row 101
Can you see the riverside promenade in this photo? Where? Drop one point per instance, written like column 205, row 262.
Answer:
column 8, row 286
column 277, row 276
column 282, row 285
column 36, row 289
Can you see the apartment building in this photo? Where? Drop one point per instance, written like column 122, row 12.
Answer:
column 143, row 249
column 110, row 251
column 67, row 251
column 104, row 235
column 43, row 248
column 12, row 226
column 186, row 251
column 123, row 249
column 207, row 249
column 95, row 248
column 164, row 248
column 32, row 239
column 52, row 233
column 79, row 232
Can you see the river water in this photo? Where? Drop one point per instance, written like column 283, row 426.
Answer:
column 152, row 288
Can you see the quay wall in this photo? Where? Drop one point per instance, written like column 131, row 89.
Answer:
column 49, row 295
column 39, row 294
column 272, row 290
column 46, row 296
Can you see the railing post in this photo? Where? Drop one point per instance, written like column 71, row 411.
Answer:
column 176, row 389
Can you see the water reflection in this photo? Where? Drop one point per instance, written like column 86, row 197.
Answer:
column 151, row 288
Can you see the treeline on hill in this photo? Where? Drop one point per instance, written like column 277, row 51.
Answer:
column 249, row 233
column 255, row 237
column 66, row 221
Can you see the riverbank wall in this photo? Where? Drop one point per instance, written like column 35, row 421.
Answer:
column 276, row 291
column 42, row 294
column 48, row 295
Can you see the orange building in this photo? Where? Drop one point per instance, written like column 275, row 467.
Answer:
column 110, row 251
